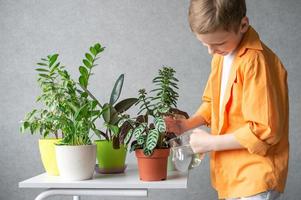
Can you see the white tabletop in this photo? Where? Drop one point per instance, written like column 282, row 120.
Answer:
column 128, row 180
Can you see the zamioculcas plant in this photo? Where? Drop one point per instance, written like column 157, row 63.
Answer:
column 77, row 122
column 80, row 111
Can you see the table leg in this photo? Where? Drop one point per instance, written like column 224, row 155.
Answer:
column 76, row 193
column 76, row 197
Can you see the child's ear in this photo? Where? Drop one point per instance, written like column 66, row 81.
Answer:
column 244, row 24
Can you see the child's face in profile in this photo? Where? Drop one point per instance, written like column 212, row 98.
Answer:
column 223, row 42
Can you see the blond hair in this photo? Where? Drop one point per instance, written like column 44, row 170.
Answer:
column 207, row 16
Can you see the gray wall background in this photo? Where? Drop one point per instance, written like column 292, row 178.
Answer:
column 140, row 37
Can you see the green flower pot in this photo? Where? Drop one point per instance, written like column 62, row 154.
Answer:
column 110, row 161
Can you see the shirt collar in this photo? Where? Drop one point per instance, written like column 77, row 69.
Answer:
column 250, row 40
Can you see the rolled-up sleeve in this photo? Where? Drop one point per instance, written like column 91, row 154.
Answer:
column 260, row 108
column 206, row 108
column 205, row 111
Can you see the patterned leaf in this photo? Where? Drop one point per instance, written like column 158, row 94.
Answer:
column 139, row 130
column 147, row 152
column 128, row 136
column 120, row 123
column 160, row 124
column 164, row 109
column 141, row 140
column 152, row 139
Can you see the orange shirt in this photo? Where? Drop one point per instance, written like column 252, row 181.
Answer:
column 255, row 109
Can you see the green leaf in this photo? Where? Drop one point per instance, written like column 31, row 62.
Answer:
column 29, row 116
column 24, row 126
column 107, row 113
column 53, row 59
column 42, row 70
column 84, row 94
column 83, row 71
column 55, row 67
column 72, row 106
column 117, row 89
column 152, row 139
column 87, row 63
column 97, row 47
column 42, row 64
column 83, row 81
column 114, row 118
column 114, row 129
column 101, row 49
column 94, row 113
column 82, row 112
column 45, row 76
column 125, row 104
column 89, row 57
column 93, row 51
column 99, row 133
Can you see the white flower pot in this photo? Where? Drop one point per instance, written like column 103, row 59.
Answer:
column 76, row 162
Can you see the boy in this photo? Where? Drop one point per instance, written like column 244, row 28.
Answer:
column 245, row 103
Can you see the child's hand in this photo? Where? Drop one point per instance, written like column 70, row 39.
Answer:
column 176, row 126
column 201, row 141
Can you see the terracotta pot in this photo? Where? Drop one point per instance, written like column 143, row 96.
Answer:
column 154, row 167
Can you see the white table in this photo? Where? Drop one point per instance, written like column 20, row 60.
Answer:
column 126, row 184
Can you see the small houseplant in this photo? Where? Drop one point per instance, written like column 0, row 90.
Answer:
column 44, row 120
column 151, row 139
column 70, row 111
column 77, row 122
column 111, row 151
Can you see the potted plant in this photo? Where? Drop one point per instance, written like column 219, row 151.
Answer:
column 111, row 151
column 69, row 110
column 76, row 155
column 44, row 120
column 151, row 139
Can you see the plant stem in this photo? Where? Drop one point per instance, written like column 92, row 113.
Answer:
column 146, row 106
column 91, row 95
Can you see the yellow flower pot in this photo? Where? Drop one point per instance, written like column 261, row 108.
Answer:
column 48, row 156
